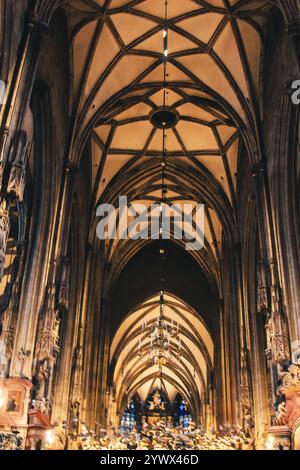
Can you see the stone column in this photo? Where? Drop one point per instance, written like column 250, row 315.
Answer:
column 79, row 379
column 28, row 317
column 278, row 350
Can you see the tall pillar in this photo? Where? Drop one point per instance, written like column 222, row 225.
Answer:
column 278, row 348
column 32, row 299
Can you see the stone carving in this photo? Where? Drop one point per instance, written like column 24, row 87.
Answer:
column 1, row 173
column 64, row 287
column 277, row 338
column 19, row 156
column 281, row 415
column 6, row 344
column 262, row 291
column 7, row 322
column 42, row 404
column 290, row 388
column 156, row 403
column 3, row 359
column 48, row 338
column 47, row 346
column 248, row 424
column 22, row 356
column 4, row 232
column 290, row 379
column 245, row 383
column 42, row 377
column 262, row 299
column 16, row 183
column 77, row 378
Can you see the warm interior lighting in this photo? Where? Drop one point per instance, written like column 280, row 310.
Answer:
column 49, row 437
column 270, row 442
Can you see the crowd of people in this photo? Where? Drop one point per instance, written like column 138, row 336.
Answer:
column 162, row 437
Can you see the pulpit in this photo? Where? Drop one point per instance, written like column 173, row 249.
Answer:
column 14, row 403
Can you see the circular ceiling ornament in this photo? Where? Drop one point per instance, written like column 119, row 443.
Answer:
column 164, row 118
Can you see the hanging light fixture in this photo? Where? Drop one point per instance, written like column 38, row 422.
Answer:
column 161, row 331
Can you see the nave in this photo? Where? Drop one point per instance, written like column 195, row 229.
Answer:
column 149, row 224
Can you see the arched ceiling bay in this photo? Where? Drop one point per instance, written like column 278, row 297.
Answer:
column 131, row 369
column 214, row 54
column 184, row 277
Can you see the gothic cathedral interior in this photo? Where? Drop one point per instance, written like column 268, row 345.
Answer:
column 149, row 224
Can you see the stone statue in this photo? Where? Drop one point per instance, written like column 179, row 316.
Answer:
column 262, row 299
column 248, row 424
column 19, row 155
column 277, row 337
column 3, row 359
column 290, row 379
column 156, row 403
column 280, row 415
column 42, row 378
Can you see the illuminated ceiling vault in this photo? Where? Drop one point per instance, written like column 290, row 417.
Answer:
column 213, row 72
column 212, row 83
column 189, row 374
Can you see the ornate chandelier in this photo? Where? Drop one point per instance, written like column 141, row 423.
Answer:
column 161, row 332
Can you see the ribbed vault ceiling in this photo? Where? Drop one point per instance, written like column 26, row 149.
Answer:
column 213, row 71
column 213, row 76
column 188, row 375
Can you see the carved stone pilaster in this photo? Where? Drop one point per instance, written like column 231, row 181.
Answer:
column 4, row 233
